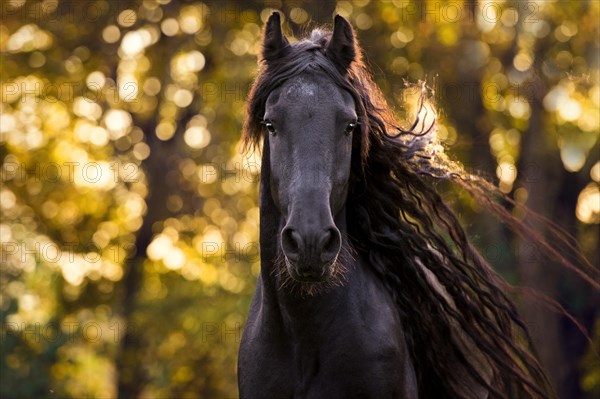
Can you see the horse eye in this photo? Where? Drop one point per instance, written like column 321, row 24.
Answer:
column 270, row 127
column 350, row 128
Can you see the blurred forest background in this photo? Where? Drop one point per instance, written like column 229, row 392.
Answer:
column 129, row 216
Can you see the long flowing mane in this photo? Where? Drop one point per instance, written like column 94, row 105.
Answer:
column 410, row 236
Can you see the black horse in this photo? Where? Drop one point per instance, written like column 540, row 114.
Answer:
column 369, row 287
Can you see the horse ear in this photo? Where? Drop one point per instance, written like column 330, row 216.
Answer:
column 342, row 47
column 275, row 43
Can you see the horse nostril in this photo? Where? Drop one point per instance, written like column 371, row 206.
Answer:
column 291, row 243
column 327, row 239
column 330, row 244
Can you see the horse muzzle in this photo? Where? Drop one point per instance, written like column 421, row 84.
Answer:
column 311, row 253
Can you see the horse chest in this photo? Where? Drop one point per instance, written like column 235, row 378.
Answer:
column 355, row 352
column 350, row 364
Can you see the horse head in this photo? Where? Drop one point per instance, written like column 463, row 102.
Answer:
column 310, row 120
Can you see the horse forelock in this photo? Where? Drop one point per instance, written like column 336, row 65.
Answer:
column 374, row 114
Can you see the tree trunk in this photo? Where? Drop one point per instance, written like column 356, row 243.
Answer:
column 129, row 363
column 539, row 168
column 160, row 168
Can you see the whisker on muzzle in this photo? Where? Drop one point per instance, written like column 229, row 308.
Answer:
column 339, row 274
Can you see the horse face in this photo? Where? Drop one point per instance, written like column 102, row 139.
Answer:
column 310, row 121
